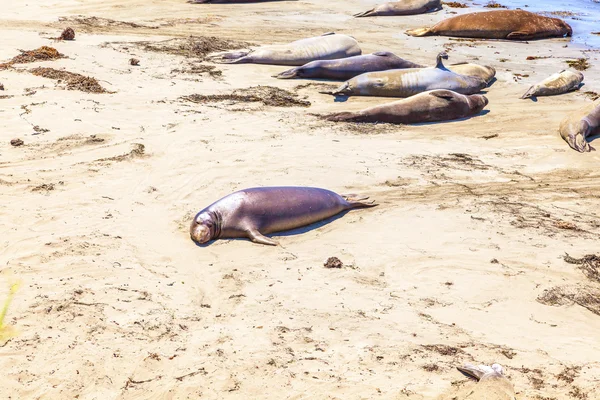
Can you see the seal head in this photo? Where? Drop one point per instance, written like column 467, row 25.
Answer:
column 204, row 227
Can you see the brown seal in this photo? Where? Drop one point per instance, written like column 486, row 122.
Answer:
column 253, row 213
column 404, row 7
column 499, row 24
column 578, row 127
column 432, row 106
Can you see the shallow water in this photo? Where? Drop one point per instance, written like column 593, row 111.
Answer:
column 584, row 15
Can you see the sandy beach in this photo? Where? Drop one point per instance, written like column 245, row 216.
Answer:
column 463, row 261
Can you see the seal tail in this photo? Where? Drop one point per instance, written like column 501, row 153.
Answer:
column 234, row 57
column 355, row 201
column 529, row 93
column 419, row 32
column 289, row 74
column 343, row 90
column 369, row 13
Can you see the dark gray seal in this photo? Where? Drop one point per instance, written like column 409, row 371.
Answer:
column 346, row 68
column 253, row 213
column 432, row 106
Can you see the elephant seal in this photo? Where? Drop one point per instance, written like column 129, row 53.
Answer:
column 484, row 72
column 404, row 7
column 329, row 46
column 408, row 82
column 253, row 213
column 559, row 83
column 578, row 127
column 347, row 68
column 492, row 384
column 499, row 24
column 230, row 1
column 432, row 106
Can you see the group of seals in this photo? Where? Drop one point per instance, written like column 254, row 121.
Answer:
column 253, row 213
column 499, row 24
column 431, row 106
column 411, row 81
column 329, row 46
column 406, row 7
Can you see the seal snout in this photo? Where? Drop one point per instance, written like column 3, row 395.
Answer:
column 199, row 233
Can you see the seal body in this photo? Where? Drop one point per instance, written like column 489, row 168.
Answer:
column 577, row 128
column 228, row 1
column 432, row 106
column 499, row 24
column 346, row 68
column 404, row 7
column 253, row 213
column 411, row 81
column 559, row 83
column 329, row 46
column 484, row 72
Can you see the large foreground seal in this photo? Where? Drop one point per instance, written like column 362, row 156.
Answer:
column 433, row 106
column 408, row 82
column 500, row 24
column 492, row 384
column 347, row 68
column 404, row 7
column 253, row 213
column 559, row 83
column 329, row 46
column 577, row 128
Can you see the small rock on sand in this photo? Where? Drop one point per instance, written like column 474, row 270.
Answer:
column 17, row 142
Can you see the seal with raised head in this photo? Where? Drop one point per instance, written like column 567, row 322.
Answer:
column 559, row 83
column 404, row 7
column 484, row 72
column 346, row 68
column 329, row 46
column 499, row 24
column 254, row 213
column 491, row 384
column 581, row 125
column 408, row 82
column 432, row 106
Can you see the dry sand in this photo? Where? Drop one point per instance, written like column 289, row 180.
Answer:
column 474, row 219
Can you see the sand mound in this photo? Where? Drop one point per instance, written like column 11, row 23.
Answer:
column 72, row 80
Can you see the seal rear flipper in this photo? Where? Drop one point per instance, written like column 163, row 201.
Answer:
column 234, row 57
column 529, row 93
column 358, row 202
column 419, row 32
column 369, row 13
column 340, row 117
column 259, row 238
column 289, row 74
column 472, row 371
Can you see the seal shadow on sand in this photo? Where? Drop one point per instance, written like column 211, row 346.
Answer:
column 291, row 232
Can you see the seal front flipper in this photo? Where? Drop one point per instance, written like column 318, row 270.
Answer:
column 259, row 238
column 443, row 94
column 520, row 35
column 343, row 90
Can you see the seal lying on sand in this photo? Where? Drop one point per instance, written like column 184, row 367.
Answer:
column 408, row 82
column 230, row 1
column 329, row 46
column 500, row 24
column 347, row 68
column 577, row 128
column 484, row 72
column 404, row 7
column 253, row 213
column 492, row 384
column 432, row 106
column 562, row 82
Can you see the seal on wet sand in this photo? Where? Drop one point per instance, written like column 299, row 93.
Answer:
column 408, row 82
column 404, row 7
column 559, row 83
column 329, row 46
column 432, row 106
column 253, row 213
column 499, row 24
column 346, row 68
column 492, row 384
column 578, row 127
